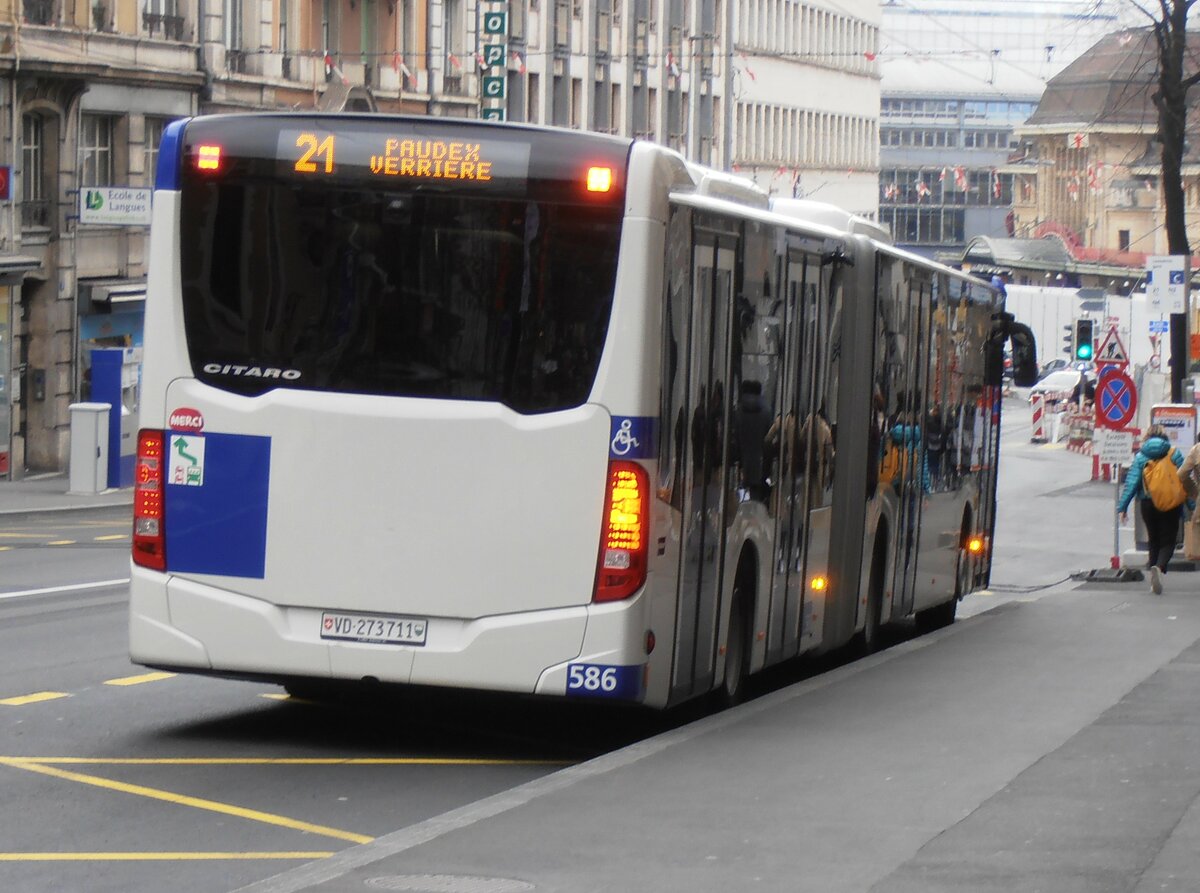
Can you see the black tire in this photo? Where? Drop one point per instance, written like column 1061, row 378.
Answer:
column 870, row 638
column 943, row 615
column 737, row 651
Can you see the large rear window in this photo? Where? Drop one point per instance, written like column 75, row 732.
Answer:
column 370, row 264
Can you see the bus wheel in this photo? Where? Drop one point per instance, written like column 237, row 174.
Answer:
column 943, row 615
column 870, row 639
column 737, row 651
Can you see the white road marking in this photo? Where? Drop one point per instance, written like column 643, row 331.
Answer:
column 74, row 587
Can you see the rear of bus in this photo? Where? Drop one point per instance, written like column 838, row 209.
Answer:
column 370, row 447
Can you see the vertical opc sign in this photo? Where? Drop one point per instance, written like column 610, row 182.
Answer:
column 493, row 55
column 1166, row 283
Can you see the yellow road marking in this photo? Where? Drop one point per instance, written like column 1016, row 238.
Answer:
column 5, row 548
column 182, row 800
column 61, row 543
column 23, row 536
column 34, row 698
column 115, row 536
column 277, row 697
column 26, row 762
column 154, row 857
column 138, row 680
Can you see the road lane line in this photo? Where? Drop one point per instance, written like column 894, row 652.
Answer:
column 252, row 815
column 73, row 587
column 115, row 536
column 61, row 543
column 274, row 761
column 155, row 857
column 138, row 680
column 35, row 698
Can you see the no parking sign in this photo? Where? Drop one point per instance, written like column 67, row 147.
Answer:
column 1116, row 399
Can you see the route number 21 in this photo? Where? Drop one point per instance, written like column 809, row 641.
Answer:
column 314, row 149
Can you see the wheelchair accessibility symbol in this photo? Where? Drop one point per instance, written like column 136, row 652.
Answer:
column 623, row 441
column 633, row 437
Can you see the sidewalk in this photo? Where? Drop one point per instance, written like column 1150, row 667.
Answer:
column 1041, row 746
column 48, row 493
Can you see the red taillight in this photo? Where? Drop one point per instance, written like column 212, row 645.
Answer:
column 149, row 535
column 208, row 158
column 624, row 533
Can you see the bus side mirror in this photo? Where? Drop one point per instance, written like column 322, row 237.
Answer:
column 1024, row 355
column 1024, row 352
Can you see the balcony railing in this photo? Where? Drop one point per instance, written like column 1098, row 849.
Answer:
column 167, row 27
column 41, row 12
column 36, row 213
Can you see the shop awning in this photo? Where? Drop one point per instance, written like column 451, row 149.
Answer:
column 13, row 267
column 116, row 292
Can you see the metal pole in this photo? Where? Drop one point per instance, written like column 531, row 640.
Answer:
column 1179, row 336
column 727, row 117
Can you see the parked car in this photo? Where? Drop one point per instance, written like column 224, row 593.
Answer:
column 1058, row 386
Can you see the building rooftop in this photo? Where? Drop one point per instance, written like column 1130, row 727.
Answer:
column 1110, row 83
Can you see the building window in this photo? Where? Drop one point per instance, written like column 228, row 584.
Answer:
column 162, row 18
column 96, row 150
column 454, row 37
column 153, row 137
column 35, row 209
column 1122, row 240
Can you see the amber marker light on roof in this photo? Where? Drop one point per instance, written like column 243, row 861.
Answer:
column 599, row 179
column 208, row 158
column 975, row 545
column 819, row 584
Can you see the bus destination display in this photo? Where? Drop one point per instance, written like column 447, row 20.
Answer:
column 320, row 153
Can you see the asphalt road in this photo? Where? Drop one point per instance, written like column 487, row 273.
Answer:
column 118, row 779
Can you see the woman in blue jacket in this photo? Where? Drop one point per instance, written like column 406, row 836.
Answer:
column 1162, row 528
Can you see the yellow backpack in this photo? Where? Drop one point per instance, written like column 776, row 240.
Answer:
column 1161, row 480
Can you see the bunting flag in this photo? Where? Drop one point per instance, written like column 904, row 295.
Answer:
column 871, row 57
column 1073, row 189
column 922, row 189
column 942, row 176
column 960, row 179
column 671, row 66
column 454, row 60
column 997, row 189
column 398, row 65
column 1095, row 174
column 891, row 191
column 333, row 68
column 483, row 66
column 516, row 57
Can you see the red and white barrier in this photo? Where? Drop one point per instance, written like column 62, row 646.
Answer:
column 1038, row 402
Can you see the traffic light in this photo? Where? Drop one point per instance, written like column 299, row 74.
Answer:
column 1069, row 340
column 1085, row 342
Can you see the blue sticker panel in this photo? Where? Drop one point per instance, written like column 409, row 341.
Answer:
column 633, row 437
column 604, row 681
column 220, row 527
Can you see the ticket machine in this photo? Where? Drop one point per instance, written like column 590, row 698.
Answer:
column 116, row 380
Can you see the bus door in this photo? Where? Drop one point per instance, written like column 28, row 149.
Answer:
column 914, row 326
column 707, row 481
column 790, row 444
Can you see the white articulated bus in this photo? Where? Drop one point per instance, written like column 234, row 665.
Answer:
column 451, row 403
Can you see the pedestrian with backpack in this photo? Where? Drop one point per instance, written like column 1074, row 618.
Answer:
column 1154, row 479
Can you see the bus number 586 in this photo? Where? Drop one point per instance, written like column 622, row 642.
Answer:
column 590, row 677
